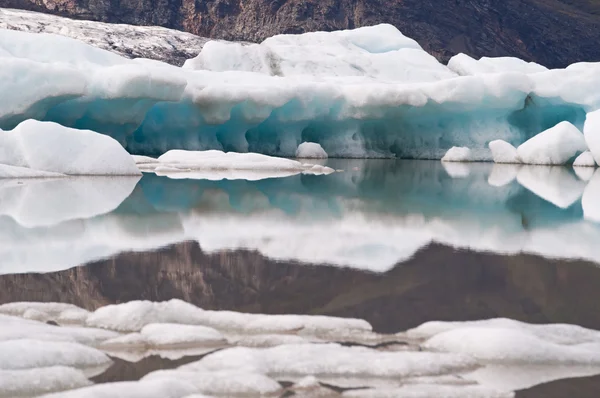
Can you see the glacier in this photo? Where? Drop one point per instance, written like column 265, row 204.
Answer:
column 368, row 92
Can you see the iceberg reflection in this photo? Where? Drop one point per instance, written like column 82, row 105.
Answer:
column 372, row 216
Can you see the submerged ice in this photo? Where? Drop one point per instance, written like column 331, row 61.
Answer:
column 369, row 92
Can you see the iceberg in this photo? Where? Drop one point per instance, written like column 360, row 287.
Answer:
column 44, row 149
column 310, row 150
column 464, row 65
column 503, row 152
column 368, row 92
column 586, row 159
column 554, row 146
column 591, row 131
column 457, row 154
column 38, row 381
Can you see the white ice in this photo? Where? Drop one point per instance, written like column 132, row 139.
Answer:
column 555, row 184
column 503, row 152
column 37, row 381
column 586, row 159
column 590, row 202
column 464, row 65
column 52, row 148
column 310, row 150
column 428, row 391
column 457, row 154
column 591, row 132
column 554, row 146
column 146, row 389
column 169, row 336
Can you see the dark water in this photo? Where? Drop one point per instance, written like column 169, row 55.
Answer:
column 397, row 243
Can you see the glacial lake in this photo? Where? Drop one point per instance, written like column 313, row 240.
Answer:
column 395, row 242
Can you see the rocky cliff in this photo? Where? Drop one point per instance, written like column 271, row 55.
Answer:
column 552, row 32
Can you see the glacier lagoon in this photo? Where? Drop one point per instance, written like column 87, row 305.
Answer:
column 376, row 242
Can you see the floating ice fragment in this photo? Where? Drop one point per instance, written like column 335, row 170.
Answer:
column 457, row 154
column 166, row 388
column 33, row 382
column 173, row 335
column 512, row 345
column 221, row 383
column 586, row 159
column 7, row 171
column 503, row 152
column 590, row 202
column 464, row 65
column 591, row 132
column 554, row 146
column 50, row 147
column 144, row 160
column 332, row 359
column 29, row 354
column 310, row 150
column 429, row 391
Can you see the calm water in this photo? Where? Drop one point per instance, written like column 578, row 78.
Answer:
column 397, row 243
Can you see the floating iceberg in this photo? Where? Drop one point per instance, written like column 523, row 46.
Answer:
column 44, row 149
column 38, row 381
column 369, row 92
column 503, row 152
column 586, row 159
column 464, row 65
column 310, row 150
column 457, row 154
column 591, row 131
column 554, row 146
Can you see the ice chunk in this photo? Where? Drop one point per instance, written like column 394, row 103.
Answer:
column 586, row 159
column 331, row 359
column 7, row 171
column 222, row 383
column 34, row 382
column 428, row 391
column 53, row 148
column 16, row 328
column 554, row 184
column 503, row 152
column 457, row 154
column 145, row 389
column 584, row 173
column 144, row 160
column 464, row 65
column 51, row 309
column 29, row 354
column 591, row 199
column 173, row 335
column 556, row 333
column 512, row 345
column 591, row 132
column 133, row 316
column 554, row 146
column 310, row 150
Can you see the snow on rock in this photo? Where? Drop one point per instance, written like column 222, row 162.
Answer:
column 50, row 147
column 586, row 159
column 34, row 382
column 511, row 345
column 222, row 383
column 555, row 184
column 428, row 391
column 168, row 45
column 144, row 389
column 464, row 65
column 503, row 152
column 554, row 146
column 457, row 154
column 331, row 359
column 310, row 150
column 29, row 354
column 590, row 201
column 591, row 132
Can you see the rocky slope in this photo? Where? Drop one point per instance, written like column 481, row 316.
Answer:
column 551, row 32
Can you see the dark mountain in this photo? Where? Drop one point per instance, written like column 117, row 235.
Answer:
column 552, row 32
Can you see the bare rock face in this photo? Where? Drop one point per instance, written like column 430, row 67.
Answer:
column 554, row 33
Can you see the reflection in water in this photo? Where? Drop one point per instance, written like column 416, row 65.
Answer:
column 372, row 216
